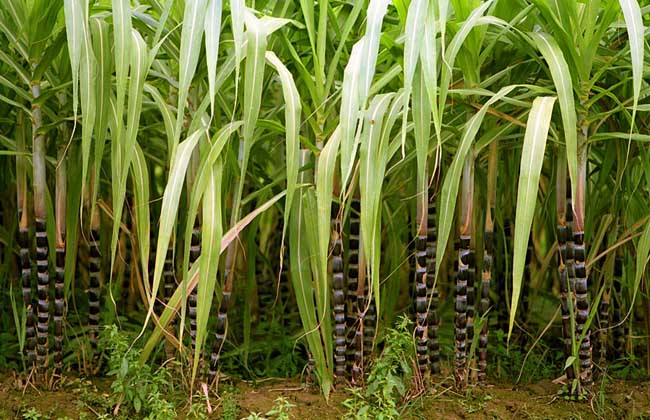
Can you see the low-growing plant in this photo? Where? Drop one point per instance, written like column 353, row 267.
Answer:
column 140, row 388
column 390, row 378
column 32, row 414
column 281, row 411
column 229, row 409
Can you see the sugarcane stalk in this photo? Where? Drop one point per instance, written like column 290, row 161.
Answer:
column 195, row 245
column 369, row 323
column 40, row 215
column 525, row 287
column 581, row 278
column 499, row 273
column 433, row 321
column 421, row 290
column 285, row 290
column 354, row 244
column 59, row 284
column 95, row 281
column 195, row 251
column 563, row 236
column 620, row 334
column 603, row 324
column 221, row 326
column 463, row 276
column 338, row 290
column 128, row 257
column 488, row 259
column 362, row 307
column 25, row 260
column 471, row 293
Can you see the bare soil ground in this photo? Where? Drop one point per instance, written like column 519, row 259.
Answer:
column 621, row 400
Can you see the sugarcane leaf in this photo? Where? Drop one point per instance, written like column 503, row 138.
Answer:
column 72, row 217
column 124, row 150
column 320, row 283
column 642, row 254
column 272, row 24
column 168, row 212
column 104, row 63
column 255, row 59
column 301, row 278
column 635, row 31
column 417, row 14
column 170, row 311
column 569, row 361
column 208, row 161
column 237, row 8
column 450, row 183
column 349, row 116
column 324, row 191
column 88, row 93
column 451, row 52
column 422, row 130
column 140, row 177
column 345, row 33
column 307, row 8
column 122, row 43
column 375, row 16
column 165, row 112
column 561, row 75
column 74, row 23
column 372, row 163
column 532, row 158
column 253, row 78
column 292, row 110
column 191, row 35
column 212, row 34
column 16, row 67
column 211, row 233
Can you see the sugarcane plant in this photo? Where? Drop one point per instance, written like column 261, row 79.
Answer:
column 195, row 147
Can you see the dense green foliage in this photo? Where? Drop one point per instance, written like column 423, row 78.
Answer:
column 257, row 188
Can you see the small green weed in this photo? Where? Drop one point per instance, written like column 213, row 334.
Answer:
column 32, row 414
column 280, row 411
column 230, row 411
column 140, row 388
column 389, row 380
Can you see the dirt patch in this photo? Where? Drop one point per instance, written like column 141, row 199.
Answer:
column 16, row 401
column 309, row 403
column 620, row 400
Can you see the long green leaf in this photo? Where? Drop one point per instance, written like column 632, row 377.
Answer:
column 292, row 110
column 562, row 79
column 635, row 32
column 376, row 12
column 642, row 255
column 532, row 158
column 124, row 150
column 140, row 176
column 415, row 20
column 449, row 190
column 74, row 23
column 211, row 233
column 122, row 45
column 168, row 212
column 349, row 117
column 191, row 35
column 212, row 34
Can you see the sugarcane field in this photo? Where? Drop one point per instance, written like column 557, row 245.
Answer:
column 331, row 209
